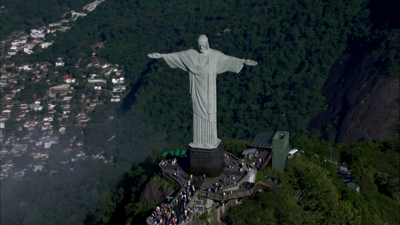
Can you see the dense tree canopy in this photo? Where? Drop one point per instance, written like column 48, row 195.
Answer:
column 295, row 43
column 312, row 192
column 18, row 15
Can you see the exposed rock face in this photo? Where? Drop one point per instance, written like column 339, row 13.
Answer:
column 364, row 103
column 156, row 191
column 376, row 117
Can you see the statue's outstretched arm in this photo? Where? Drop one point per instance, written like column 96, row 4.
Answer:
column 155, row 55
column 249, row 62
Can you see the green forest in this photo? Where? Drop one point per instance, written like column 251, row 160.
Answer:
column 19, row 15
column 311, row 191
column 295, row 43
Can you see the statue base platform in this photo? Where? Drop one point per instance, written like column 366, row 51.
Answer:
column 206, row 160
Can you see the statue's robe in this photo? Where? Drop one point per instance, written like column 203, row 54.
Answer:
column 203, row 70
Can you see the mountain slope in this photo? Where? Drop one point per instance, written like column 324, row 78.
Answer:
column 362, row 94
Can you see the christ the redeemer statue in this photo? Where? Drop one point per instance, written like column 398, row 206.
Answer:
column 203, row 66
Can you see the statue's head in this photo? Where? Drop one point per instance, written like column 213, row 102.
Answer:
column 203, row 43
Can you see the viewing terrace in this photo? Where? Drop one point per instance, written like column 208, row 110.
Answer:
column 236, row 181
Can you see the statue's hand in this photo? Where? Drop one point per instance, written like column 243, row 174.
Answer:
column 250, row 62
column 155, row 55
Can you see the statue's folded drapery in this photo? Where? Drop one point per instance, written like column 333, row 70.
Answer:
column 203, row 70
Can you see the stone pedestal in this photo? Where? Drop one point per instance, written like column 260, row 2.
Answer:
column 208, row 161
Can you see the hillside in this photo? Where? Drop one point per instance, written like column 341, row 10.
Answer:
column 362, row 90
column 19, row 15
column 312, row 192
column 295, row 50
column 363, row 102
column 305, row 49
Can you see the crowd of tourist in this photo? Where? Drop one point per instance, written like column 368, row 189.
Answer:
column 177, row 210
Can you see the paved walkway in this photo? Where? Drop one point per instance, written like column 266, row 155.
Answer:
column 210, row 187
column 230, row 175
